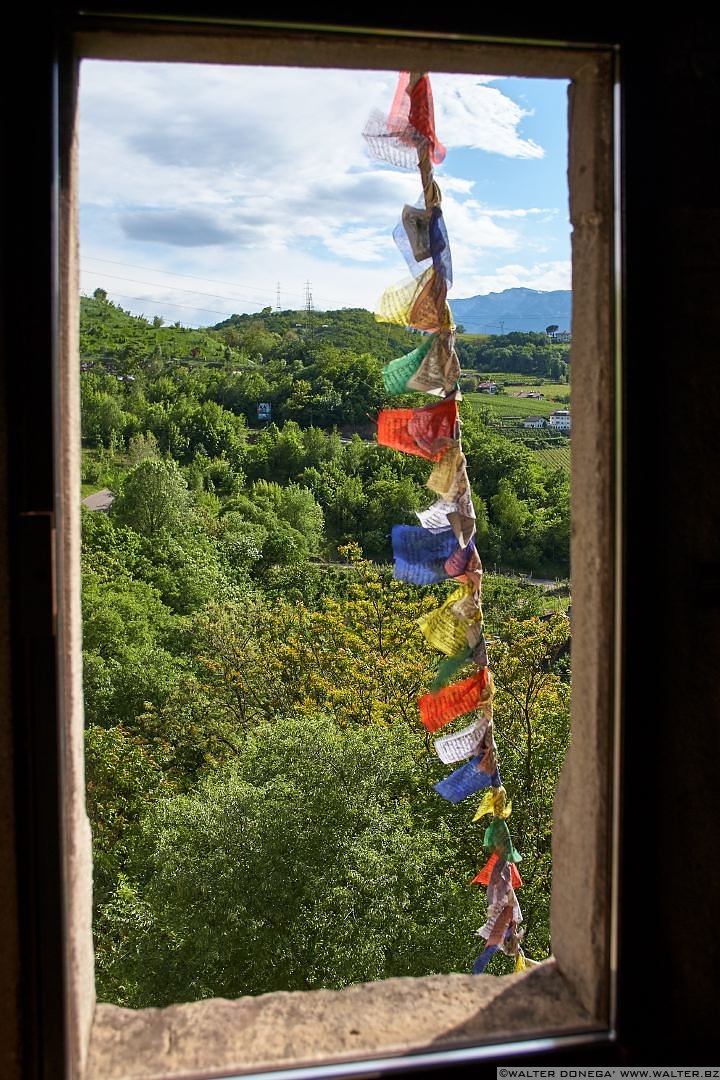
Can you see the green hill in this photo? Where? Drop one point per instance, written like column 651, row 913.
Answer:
column 121, row 341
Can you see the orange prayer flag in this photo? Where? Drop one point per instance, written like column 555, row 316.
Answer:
column 455, row 700
column 427, row 431
column 483, row 878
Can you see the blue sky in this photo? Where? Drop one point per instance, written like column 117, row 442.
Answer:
column 206, row 189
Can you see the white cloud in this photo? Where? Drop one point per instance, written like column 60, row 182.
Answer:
column 468, row 112
column 520, row 213
column 250, row 175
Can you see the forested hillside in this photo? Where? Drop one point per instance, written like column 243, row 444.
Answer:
column 259, row 786
column 524, row 353
column 159, row 384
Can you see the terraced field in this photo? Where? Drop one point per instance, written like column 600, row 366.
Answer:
column 557, row 457
column 507, row 414
column 502, row 407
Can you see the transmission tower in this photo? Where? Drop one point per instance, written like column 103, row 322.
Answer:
column 277, row 298
column 309, row 310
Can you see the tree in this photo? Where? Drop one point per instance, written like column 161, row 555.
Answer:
column 141, row 447
column 318, row 858
column 550, row 330
column 153, row 498
column 126, row 662
column 532, row 725
column 295, row 505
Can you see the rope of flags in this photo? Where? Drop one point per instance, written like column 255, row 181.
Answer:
column 442, row 546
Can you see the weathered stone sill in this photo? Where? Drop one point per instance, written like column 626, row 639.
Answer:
column 393, row 1018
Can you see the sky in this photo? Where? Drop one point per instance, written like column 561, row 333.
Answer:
column 208, row 190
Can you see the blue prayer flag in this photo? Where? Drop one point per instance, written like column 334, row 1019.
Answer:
column 466, row 781
column 484, row 959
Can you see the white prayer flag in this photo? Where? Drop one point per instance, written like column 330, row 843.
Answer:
column 461, row 744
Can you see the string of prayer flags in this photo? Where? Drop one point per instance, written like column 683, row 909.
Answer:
column 430, row 310
column 420, row 303
column 433, row 368
column 499, row 927
column 446, row 628
column 397, row 373
column 484, row 959
column 443, row 545
column 464, row 562
column 447, row 476
column 499, row 917
column 426, row 556
column 435, row 518
column 450, row 667
column 440, row 368
column 422, row 557
column 497, row 837
column 479, row 648
column 413, row 233
column 420, row 111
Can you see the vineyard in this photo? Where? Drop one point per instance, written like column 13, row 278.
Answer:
column 557, row 457
column 503, row 406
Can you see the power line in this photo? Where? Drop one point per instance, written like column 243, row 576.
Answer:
column 193, row 277
column 175, row 288
column 173, row 273
column 170, row 303
column 199, row 292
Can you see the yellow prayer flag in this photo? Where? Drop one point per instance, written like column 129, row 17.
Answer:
column 443, row 628
column 397, row 301
column 494, row 802
column 447, row 473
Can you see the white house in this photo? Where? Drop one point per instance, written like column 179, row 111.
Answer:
column 533, row 421
column 560, row 420
column 487, row 387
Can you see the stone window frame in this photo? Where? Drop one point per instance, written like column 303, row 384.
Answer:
column 398, row 1024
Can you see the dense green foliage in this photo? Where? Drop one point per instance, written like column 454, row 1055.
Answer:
column 204, row 417
column 259, row 784
column 527, row 353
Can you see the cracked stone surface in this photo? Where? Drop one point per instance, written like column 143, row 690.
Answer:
column 381, row 1019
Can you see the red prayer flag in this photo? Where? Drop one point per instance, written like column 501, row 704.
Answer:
column 422, row 117
column 415, row 107
column 455, row 700
column 483, row 878
column 427, row 432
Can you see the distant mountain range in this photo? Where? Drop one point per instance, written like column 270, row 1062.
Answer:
column 513, row 309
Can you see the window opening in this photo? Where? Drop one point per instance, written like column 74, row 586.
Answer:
column 213, row 461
